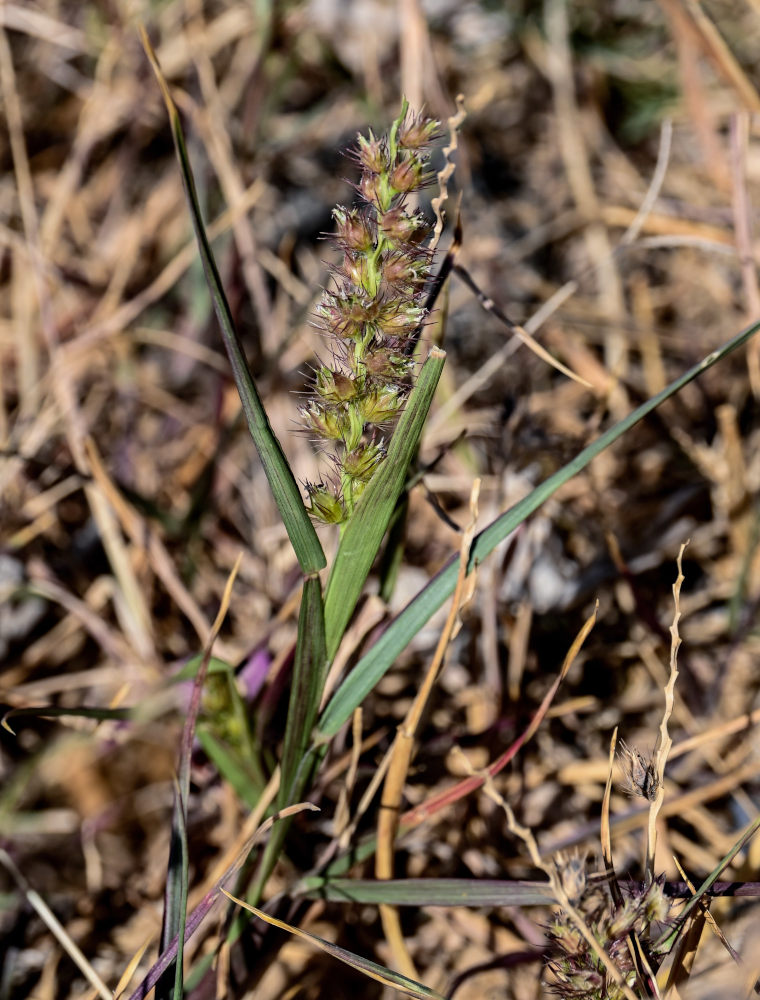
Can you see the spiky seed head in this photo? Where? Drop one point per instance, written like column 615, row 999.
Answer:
column 362, row 462
column 387, row 364
column 381, row 404
column 324, row 504
column 372, row 154
column 374, row 189
column 374, row 309
column 401, row 227
column 354, row 230
column 334, row 386
column 418, row 131
column 399, row 318
column 401, row 270
column 406, row 176
column 327, row 422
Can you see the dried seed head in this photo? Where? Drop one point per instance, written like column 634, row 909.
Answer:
column 640, row 776
column 575, row 966
column 571, row 868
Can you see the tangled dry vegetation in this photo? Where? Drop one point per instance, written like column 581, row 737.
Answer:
column 608, row 168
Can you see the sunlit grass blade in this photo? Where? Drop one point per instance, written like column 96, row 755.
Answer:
column 281, row 480
column 429, row 891
column 371, row 668
column 145, row 709
column 407, row 987
column 364, row 531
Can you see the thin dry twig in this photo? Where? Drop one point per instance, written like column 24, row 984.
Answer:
column 722, row 57
column 709, row 917
column 454, row 123
column 576, row 160
column 664, row 741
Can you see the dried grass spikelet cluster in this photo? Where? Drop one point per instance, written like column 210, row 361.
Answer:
column 639, row 773
column 576, row 969
column 372, row 315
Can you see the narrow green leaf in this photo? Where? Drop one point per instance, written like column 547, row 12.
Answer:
column 175, row 895
column 369, row 670
column 668, row 939
column 408, row 987
column 309, row 673
column 54, row 712
column 392, row 556
column 297, row 765
column 284, row 487
column 364, row 531
column 428, row 891
column 300, row 781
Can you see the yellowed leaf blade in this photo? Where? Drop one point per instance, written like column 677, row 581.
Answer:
column 408, row 987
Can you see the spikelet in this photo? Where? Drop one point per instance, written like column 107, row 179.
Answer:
column 372, row 313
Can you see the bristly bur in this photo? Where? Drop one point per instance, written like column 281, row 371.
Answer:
column 640, row 776
column 576, row 970
column 373, row 313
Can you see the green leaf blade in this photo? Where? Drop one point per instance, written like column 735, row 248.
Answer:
column 282, row 482
column 430, row 891
column 364, row 531
column 309, row 673
column 374, row 664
